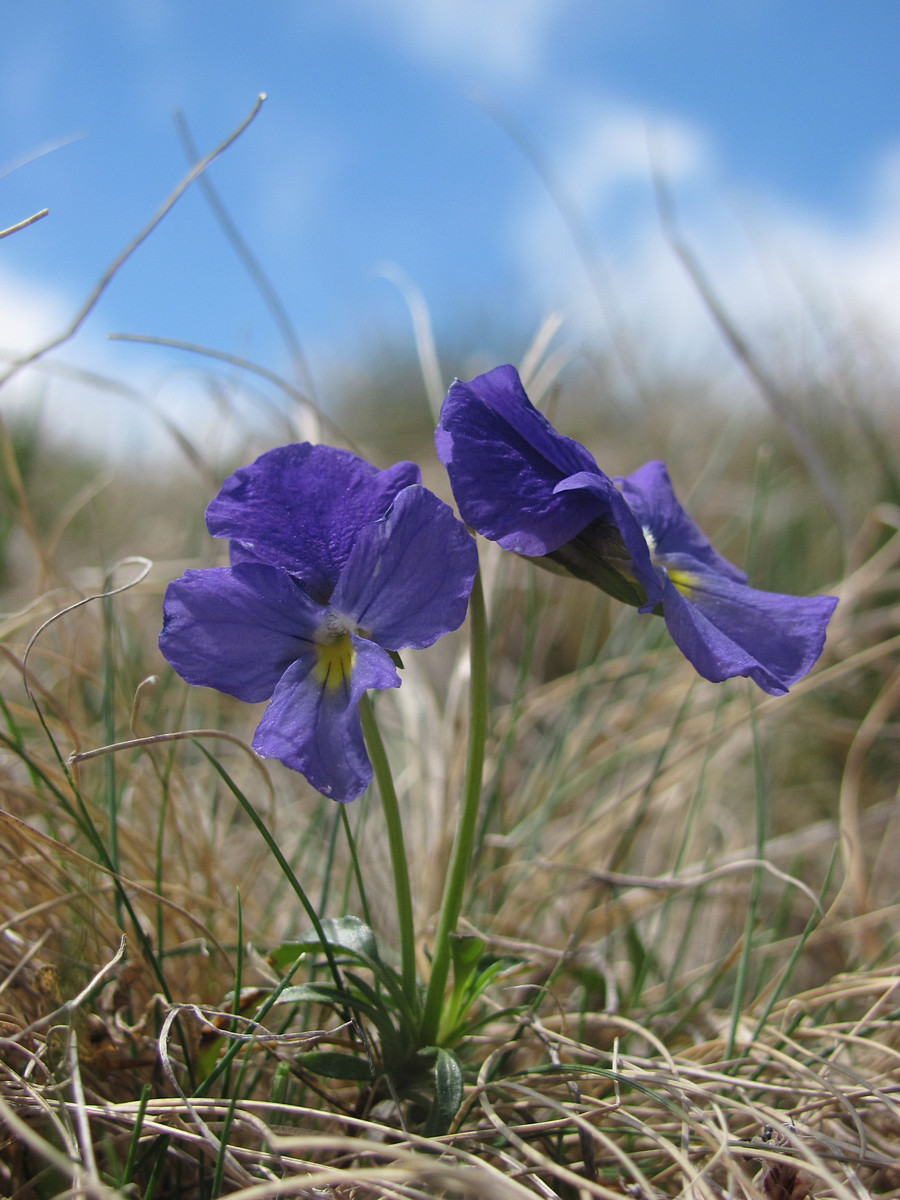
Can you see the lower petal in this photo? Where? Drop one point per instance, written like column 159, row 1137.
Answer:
column 726, row 629
column 312, row 725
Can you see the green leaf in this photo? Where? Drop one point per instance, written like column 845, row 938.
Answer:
column 380, row 1014
column 324, row 993
column 448, row 1093
column 344, row 933
column 334, row 1065
column 350, row 933
column 473, row 977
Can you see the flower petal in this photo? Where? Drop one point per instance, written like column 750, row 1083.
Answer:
column 651, row 498
column 300, row 507
column 409, row 575
column 236, row 629
column 314, row 727
column 505, row 459
column 725, row 628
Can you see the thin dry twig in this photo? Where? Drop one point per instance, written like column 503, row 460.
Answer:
column 584, row 242
column 740, row 347
column 423, row 334
column 244, row 364
column 134, row 560
column 24, row 224
column 180, row 735
column 81, row 316
column 252, row 266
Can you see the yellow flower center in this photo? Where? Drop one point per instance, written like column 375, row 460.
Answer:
column 685, row 581
column 334, row 661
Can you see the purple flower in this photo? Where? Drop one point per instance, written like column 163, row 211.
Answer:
column 522, row 484
column 334, row 564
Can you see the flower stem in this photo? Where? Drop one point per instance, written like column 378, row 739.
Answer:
column 455, row 882
column 382, row 770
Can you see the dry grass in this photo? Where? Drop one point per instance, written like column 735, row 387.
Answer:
column 694, row 888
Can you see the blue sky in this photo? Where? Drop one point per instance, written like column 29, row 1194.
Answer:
column 776, row 125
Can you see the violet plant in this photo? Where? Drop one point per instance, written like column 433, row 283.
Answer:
column 335, row 567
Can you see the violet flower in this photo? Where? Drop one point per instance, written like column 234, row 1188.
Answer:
column 334, row 565
column 520, row 483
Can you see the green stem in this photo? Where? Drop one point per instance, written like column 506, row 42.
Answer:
column 455, row 882
column 382, row 769
column 750, row 921
column 357, row 873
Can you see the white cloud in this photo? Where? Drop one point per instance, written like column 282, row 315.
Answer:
column 870, row 259
column 618, row 147
column 102, row 398
column 505, row 38
column 786, row 275
column 29, row 314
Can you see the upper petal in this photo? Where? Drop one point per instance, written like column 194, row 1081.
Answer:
column 652, row 499
column 505, row 459
column 500, row 389
column 300, row 507
column 314, row 728
column 236, row 629
column 725, row 628
column 409, row 575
